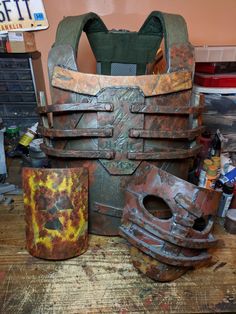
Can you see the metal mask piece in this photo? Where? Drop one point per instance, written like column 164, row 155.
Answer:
column 180, row 233
column 154, row 269
column 111, row 124
column 55, row 202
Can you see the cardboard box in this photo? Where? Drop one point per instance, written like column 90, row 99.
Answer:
column 21, row 42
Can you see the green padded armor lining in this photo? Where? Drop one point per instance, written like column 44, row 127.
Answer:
column 122, row 46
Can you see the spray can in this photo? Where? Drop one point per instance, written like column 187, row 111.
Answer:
column 202, row 175
column 227, row 195
column 211, row 177
column 205, row 140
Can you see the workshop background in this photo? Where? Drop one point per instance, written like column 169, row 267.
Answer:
column 169, row 246
column 209, row 22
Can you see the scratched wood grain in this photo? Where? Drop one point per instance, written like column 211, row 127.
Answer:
column 103, row 280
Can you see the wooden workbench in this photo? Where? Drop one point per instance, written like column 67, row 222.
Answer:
column 103, row 280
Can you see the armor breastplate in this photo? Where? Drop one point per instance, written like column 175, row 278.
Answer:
column 112, row 124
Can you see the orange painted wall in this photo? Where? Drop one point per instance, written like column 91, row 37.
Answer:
column 210, row 22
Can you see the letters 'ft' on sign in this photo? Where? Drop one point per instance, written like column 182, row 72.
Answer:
column 22, row 15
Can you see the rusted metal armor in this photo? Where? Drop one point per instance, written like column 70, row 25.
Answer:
column 56, row 212
column 112, row 124
column 176, row 232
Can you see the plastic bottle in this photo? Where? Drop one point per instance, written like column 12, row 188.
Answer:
column 216, row 146
column 22, row 147
column 211, row 177
column 27, row 138
column 227, row 195
column 202, row 175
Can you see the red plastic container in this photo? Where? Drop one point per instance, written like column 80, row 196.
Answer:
column 215, row 80
column 215, row 67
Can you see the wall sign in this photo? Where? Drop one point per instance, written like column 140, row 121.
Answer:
column 22, row 15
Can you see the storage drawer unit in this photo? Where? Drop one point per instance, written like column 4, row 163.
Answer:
column 21, row 78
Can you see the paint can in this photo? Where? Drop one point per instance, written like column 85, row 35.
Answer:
column 38, row 158
column 230, row 221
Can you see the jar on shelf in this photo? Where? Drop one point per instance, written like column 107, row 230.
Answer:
column 11, row 139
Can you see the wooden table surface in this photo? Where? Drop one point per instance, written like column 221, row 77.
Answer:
column 103, row 280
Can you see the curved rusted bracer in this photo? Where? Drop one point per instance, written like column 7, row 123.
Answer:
column 56, row 212
column 177, row 239
column 110, row 124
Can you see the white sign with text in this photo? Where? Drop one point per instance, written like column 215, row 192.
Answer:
column 22, row 15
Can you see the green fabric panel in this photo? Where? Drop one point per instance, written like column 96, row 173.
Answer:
column 141, row 68
column 125, row 47
column 70, row 28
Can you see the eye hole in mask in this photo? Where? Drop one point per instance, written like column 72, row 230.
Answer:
column 157, row 207
column 201, row 223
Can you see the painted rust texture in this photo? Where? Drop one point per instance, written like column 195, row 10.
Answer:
column 106, row 143
column 181, row 56
column 138, row 118
column 122, row 120
column 153, row 268
column 91, row 84
column 55, row 202
column 114, row 152
column 168, row 218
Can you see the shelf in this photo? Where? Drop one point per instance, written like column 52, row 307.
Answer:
column 15, row 69
column 33, row 55
column 16, row 92
column 16, row 81
column 18, row 102
column 18, row 88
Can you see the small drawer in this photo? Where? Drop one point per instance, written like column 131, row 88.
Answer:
column 21, row 111
column 20, row 86
column 22, row 97
column 22, row 63
column 24, row 75
column 17, row 97
column 2, row 110
column 10, row 75
column 29, row 97
column 12, row 63
column 16, row 75
column 3, row 87
column 4, row 98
